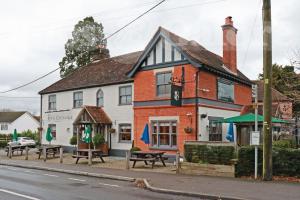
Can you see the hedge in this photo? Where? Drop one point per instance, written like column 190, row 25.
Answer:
column 286, row 162
column 208, row 154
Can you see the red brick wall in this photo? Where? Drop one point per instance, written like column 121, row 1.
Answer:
column 141, row 118
column 242, row 94
column 207, row 81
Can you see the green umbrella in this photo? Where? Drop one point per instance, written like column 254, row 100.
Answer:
column 249, row 118
column 49, row 135
column 15, row 135
column 87, row 134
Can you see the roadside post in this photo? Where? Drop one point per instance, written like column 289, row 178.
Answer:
column 90, row 157
column 9, row 151
column 61, row 151
column 44, row 153
column 177, row 162
column 128, row 159
column 255, row 135
column 26, row 152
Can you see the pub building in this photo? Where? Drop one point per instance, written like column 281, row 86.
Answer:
column 175, row 86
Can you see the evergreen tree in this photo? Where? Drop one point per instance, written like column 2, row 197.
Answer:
column 86, row 36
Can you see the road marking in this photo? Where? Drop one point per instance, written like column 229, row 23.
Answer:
column 52, row 175
column 14, row 169
column 109, row 185
column 18, row 194
column 75, row 179
column 28, row 171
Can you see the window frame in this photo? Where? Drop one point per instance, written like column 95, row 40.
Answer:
column 4, row 125
column 119, row 133
column 100, row 91
column 51, row 103
column 126, row 95
column 164, row 84
column 228, row 83
column 215, row 137
column 170, row 146
column 75, row 100
column 53, row 135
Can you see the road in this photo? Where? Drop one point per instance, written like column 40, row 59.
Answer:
column 23, row 184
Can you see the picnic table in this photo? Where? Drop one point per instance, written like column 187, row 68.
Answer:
column 15, row 148
column 50, row 150
column 148, row 156
column 84, row 153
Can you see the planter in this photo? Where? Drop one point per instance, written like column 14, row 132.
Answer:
column 188, row 129
column 83, row 146
column 103, row 148
column 112, row 130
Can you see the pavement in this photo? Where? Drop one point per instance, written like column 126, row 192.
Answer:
column 215, row 186
column 19, row 183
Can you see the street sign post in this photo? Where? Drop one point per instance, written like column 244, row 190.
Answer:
column 255, row 134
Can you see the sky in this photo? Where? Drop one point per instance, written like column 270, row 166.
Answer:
column 33, row 34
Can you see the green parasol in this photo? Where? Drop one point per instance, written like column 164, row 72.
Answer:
column 49, row 135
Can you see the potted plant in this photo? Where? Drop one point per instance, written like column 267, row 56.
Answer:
column 188, row 129
column 112, row 130
column 99, row 143
column 73, row 141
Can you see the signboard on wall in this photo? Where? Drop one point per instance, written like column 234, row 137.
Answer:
column 176, row 95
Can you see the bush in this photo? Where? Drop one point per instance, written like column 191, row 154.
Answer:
column 3, row 144
column 73, row 140
column 135, row 149
column 286, row 161
column 284, row 143
column 98, row 139
column 208, row 154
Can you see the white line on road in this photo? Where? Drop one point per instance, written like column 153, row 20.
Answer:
column 75, row 179
column 28, row 171
column 18, row 194
column 109, row 185
column 51, row 175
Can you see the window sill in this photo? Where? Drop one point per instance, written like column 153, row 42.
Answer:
column 128, row 104
column 164, row 148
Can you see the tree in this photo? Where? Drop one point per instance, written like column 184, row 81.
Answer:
column 86, row 37
column 286, row 81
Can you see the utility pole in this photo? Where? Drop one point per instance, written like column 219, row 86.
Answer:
column 267, row 62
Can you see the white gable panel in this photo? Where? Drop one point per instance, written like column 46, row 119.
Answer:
column 177, row 55
column 150, row 58
column 159, row 51
column 168, row 51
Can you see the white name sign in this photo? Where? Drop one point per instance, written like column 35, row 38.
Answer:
column 255, row 137
column 59, row 118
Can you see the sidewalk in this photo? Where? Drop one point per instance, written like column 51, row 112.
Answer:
column 198, row 184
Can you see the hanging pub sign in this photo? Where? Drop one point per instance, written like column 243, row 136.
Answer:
column 176, row 95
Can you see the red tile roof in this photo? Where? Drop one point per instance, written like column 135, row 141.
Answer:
column 98, row 114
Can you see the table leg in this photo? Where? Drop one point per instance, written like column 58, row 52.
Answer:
column 133, row 164
column 77, row 160
column 101, row 159
column 162, row 160
column 145, row 162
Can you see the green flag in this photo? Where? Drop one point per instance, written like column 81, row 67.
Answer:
column 49, row 135
column 15, row 135
column 87, row 134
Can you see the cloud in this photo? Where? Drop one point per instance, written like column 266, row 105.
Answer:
column 34, row 32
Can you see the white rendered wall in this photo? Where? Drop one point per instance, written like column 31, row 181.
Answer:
column 65, row 115
column 213, row 112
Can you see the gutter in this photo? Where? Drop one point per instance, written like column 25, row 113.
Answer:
column 196, row 105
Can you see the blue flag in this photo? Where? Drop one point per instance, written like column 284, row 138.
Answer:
column 230, row 133
column 145, row 136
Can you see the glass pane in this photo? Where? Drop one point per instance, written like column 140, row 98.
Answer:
column 160, row 79
column 225, row 91
column 128, row 90
column 128, row 99
column 154, row 127
column 168, row 89
column 160, row 90
column 154, row 139
column 122, row 91
column 164, row 128
column 174, row 128
column 174, row 140
column 123, row 100
column 164, row 139
column 167, row 78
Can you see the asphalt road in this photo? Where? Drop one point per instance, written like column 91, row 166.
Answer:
column 20, row 184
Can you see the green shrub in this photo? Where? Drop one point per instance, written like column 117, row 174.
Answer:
column 3, row 144
column 208, row 154
column 286, row 162
column 289, row 143
column 73, row 140
column 98, row 139
column 135, row 149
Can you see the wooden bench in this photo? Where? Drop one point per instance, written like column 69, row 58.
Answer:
column 15, row 148
column 145, row 160
column 49, row 151
column 94, row 155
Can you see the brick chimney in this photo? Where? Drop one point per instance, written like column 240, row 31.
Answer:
column 99, row 53
column 229, row 45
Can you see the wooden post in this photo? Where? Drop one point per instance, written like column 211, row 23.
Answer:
column 267, row 63
column 44, row 153
column 128, row 155
column 61, row 152
column 90, row 157
column 26, row 152
column 9, row 151
column 177, row 162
